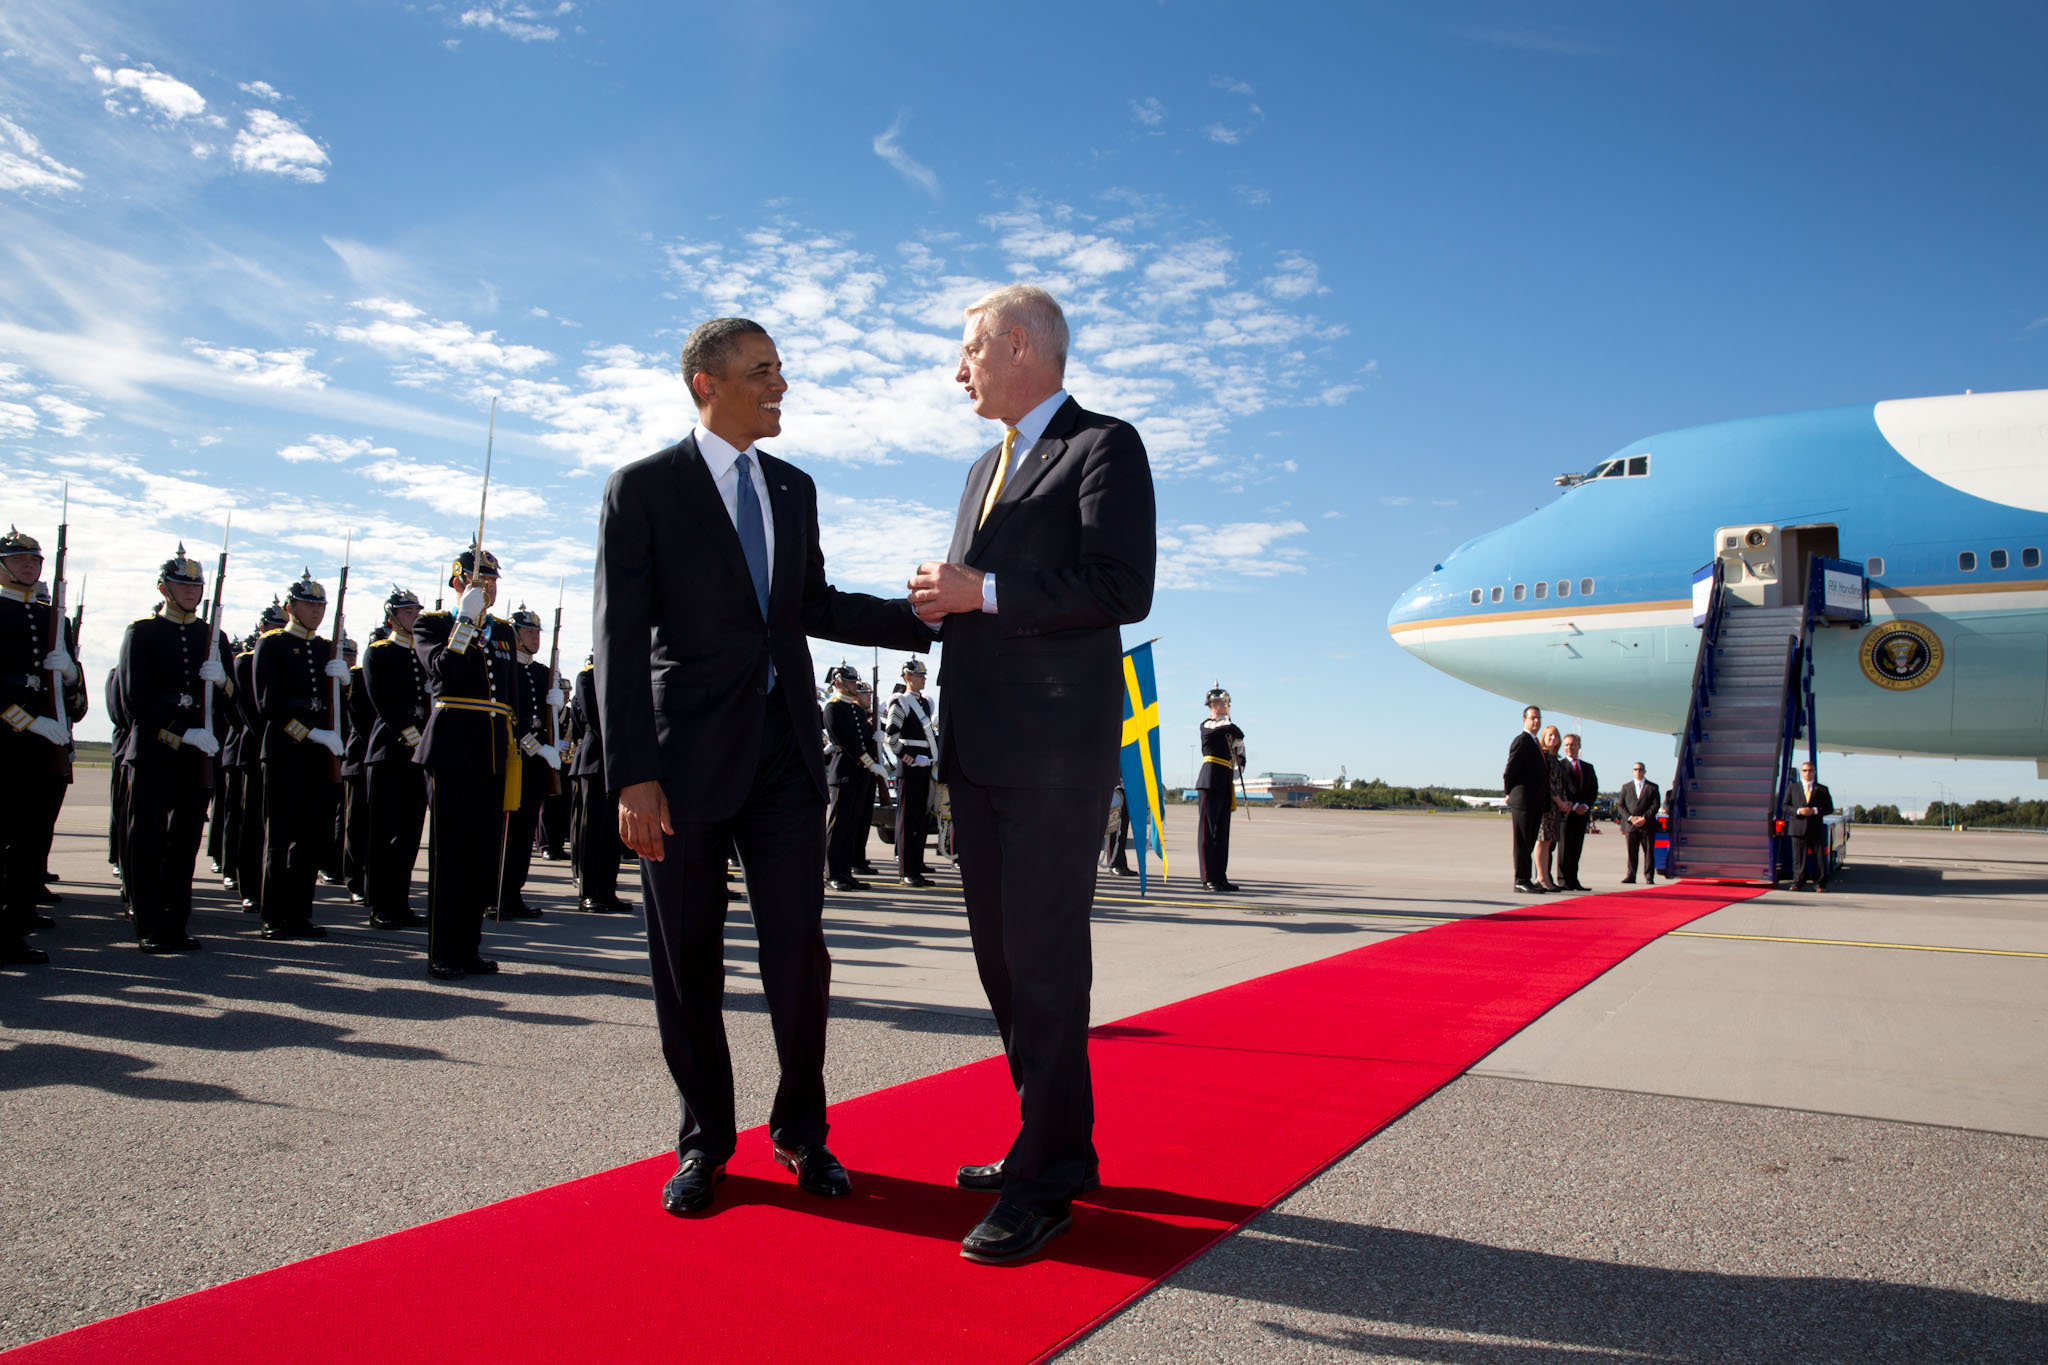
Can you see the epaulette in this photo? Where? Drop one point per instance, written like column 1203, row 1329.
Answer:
column 429, row 615
column 587, row 668
column 387, row 640
column 278, row 630
column 143, row 620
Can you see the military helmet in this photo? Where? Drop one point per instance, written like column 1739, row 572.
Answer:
column 915, row 666
column 526, row 618
column 348, row 646
column 181, row 568
column 841, row 673
column 466, row 563
column 17, row 542
column 401, row 597
column 273, row 616
column 306, row 590
column 1217, row 694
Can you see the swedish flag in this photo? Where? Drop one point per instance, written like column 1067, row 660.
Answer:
column 1144, row 794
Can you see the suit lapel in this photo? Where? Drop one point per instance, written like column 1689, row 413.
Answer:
column 1028, row 467
column 700, row 496
column 970, row 505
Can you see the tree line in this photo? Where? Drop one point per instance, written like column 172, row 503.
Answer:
column 2013, row 814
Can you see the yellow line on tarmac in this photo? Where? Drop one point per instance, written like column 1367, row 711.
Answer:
column 1258, row 908
column 1854, row 943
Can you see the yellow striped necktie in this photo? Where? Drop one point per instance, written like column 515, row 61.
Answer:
column 995, row 485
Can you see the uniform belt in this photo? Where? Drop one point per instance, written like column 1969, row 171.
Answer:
column 34, row 682
column 496, row 708
column 1222, row 762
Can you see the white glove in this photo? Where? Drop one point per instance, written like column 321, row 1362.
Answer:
column 202, row 740
column 337, row 669
column 326, row 739
column 556, row 699
column 473, row 603
column 212, row 672
column 550, row 755
column 48, row 728
column 60, row 661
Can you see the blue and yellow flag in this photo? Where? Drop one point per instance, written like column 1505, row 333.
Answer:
column 1144, row 794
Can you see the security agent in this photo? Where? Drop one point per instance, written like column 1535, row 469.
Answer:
column 913, row 739
column 532, row 696
column 395, row 687
column 33, row 742
column 850, row 771
column 1222, row 762
column 1808, row 804
column 596, row 845
column 168, row 660
column 295, row 671
column 472, row 762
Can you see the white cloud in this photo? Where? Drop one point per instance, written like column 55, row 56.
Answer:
column 450, row 489
column 1197, row 556
column 331, row 450
column 272, row 144
column 64, row 417
column 874, row 543
column 1217, row 132
column 129, row 90
column 262, row 90
column 280, row 369
column 1251, row 196
column 1296, row 277
column 429, row 349
column 889, row 147
column 1148, row 111
column 511, row 19
column 25, row 166
column 1230, row 85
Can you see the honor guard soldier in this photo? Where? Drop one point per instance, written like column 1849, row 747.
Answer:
column 33, row 742
column 471, row 759
column 913, row 739
column 1222, row 762
column 395, row 683
column 249, row 823
column 117, row 785
column 531, row 697
column 294, row 670
column 75, row 696
column 168, row 660
column 230, row 781
column 597, row 848
column 850, row 774
column 352, row 831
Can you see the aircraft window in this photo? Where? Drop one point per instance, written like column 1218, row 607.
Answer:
column 1613, row 469
column 1998, row 559
column 1874, row 566
column 1585, row 587
column 1638, row 466
column 1496, row 594
column 1475, row 597
column 1521, row 591
column 2030, row 559
column 1967, row 561
column 1564, row 587
column 1542, row 590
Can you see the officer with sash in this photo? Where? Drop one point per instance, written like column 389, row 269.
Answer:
column 473, row 763
column 1222, row 761
column 395, row 684
column 294, row 670
column 913, row 739
column 33, row 742
column 532, row 697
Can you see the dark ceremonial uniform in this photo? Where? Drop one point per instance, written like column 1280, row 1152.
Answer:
column 223, row 839
column 914, row 739
column 849, row 773
column 529, row 732
column 75, row 696
column 1222, row 761
column 35, row 769
column 354, row 831
column 117, row 783
column 472, row 776
column 249, row 819
column 596, row 847
column 168, row 779
column 292, row 695
column 396, row 685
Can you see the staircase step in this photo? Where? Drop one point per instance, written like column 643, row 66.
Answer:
column 1734, row 872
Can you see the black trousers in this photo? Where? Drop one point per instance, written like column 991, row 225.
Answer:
column 298, row 827
column 1214, row 846
column 249, row 856
column 355, row 832
column 913, row 818
column 1570, row 847
column 166, row 813
column 1027, row 865
column 398, row 814
column 555, row 819
column 597, row 844
column 224, row 819
column 519, row 831
column 1641, row 841
column 117, row 816
column 216, row 801
column 780, row 832
column 462, row 866
column 1528, row 823
column 1810, row 857
column 35, row 790
column 847, row 824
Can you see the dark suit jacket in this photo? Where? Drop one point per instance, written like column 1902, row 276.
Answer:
column 1526, row 779
column 682, row 651
column 1807, row 826
column 1032, row 696
column 1625, row 801
column 1583, row 792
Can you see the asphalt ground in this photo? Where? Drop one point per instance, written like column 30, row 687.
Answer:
column 1822, row 1136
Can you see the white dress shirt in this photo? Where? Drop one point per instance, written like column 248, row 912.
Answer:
column 722, row 459
column 1029, row 428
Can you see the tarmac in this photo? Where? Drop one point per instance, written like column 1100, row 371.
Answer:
column 1804, row 1128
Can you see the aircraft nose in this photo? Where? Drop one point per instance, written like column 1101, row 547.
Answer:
column 1413, row 607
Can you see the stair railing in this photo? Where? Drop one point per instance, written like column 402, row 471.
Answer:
column 1703, row 670
column 1796, row 708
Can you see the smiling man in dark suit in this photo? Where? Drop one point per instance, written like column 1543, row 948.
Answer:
column 1582, row 789
column 1054, row 548
column 709, row 577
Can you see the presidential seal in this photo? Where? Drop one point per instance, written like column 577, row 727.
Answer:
column 1901, row 656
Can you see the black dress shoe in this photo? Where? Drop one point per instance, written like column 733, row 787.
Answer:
column 817, row 1170
column 480, row 966
column 1010, row 1232
column 1628, row 881
column 990, row 1177
column 1125, row 871
column 614, row 906
column 249, row 907
column 170, row 943
column 1222, row 886
column 863, row 869
column 14, row 952
column 1576, row 886
column 1529, row 888
column 229, row 884
column 917, row 879
column 518, row 909
column 443, row 970
column 846, row 884
column 689, row 1189
column 385, row 922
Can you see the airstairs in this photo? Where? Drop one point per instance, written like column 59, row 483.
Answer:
column 1752, row 702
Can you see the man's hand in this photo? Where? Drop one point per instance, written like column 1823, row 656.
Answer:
column 555, row 698
column 202, row 740
column 329, row 740
column 643, row 819
column 337, row 669
column 1638, row 820
column 550, row 755
column 212, row 672
column 473, row 604
column 48, row 728
column 938, row 590
column 61, row 663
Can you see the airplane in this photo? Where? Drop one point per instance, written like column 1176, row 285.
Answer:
column 1590, row 605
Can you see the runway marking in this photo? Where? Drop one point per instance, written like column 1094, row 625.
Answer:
column 1255, row 909
column 1856, row 943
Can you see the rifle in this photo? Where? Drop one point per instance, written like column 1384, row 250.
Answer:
column 334, row 707
column 554, row 684
column 220, row 578
column 61, row 764
column 78, row 616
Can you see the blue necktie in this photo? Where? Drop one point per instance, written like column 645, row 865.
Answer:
column 753, row 543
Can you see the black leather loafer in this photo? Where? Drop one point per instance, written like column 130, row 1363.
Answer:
column 1009, row 1233
column 170, row 943
column 689, row 1189
column 443, row 970
column 846, row 884
column 817, row 1170
column 990, row 1177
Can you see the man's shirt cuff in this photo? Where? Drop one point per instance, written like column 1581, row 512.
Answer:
column 988, row 593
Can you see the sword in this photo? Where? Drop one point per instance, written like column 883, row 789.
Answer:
column 62, row 762
column 220, row 577
column 334, row 707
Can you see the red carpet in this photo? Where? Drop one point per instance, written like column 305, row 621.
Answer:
column 1311, row 1061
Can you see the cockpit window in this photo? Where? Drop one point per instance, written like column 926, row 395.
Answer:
column 1638, row 466
column 1613, row 469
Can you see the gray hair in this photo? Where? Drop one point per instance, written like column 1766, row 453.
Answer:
column 1029, row 307
column 709, row 348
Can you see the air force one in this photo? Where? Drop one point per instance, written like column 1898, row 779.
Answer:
column 1939, row 506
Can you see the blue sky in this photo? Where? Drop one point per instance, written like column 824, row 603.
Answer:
column 1365, row 276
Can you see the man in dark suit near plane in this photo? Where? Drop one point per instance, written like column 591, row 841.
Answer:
column 1582, row 789
column 1054, row 548
column 1525, row 782
column 1807, row 807
column 1640, row 803
column 709, row 577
